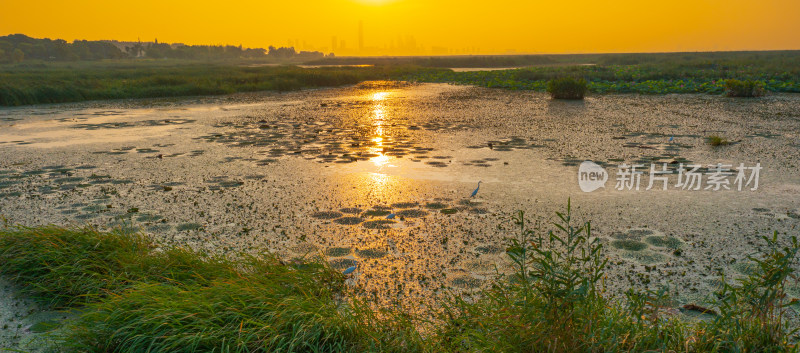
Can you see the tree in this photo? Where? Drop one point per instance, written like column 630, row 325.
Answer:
column 281, row 52
column 18, row 56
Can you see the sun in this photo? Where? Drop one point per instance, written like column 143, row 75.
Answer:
column 374, row 2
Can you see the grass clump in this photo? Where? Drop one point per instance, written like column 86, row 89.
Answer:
column 138, row 297
column 67, row 267
column 567, row 88
column 267, row 308
column 745, row 88
column 716, row 140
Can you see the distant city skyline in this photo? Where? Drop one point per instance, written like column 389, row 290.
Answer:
column 418, row 27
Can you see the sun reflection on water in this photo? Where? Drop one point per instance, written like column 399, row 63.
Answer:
column 379, row 96
column 379, row 118
column 380, row 160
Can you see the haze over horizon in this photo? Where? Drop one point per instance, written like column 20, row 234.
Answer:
column 419, row 27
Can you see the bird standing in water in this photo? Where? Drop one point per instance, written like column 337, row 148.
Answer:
column 475, row 192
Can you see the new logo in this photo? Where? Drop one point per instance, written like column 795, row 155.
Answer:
column 591, row 176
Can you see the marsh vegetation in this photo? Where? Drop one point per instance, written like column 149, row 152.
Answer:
column 567, row 88
column 136, row 295
column 737, row 74
column 72, row 82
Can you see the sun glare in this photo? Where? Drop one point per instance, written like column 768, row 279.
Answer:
column 379, row 96
column 374, row 2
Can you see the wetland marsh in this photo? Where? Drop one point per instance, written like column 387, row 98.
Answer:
column 316, row 172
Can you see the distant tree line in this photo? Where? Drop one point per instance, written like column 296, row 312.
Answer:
column 19, row 47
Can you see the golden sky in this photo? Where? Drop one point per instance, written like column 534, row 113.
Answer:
column 408, row 27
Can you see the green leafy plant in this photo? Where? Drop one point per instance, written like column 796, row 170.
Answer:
column 752, row 311
column 554, row 302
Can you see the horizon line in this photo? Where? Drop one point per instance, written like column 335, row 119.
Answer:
column 427, row 55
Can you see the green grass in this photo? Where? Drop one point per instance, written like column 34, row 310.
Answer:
column 137, row 296
column 72, row 82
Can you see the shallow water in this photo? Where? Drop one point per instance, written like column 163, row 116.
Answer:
column 471, row 69
column 316, row 173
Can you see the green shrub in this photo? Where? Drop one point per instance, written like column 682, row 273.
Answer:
column 747, row 88
column 567, row 88
column 752, row 311
column 716, row 140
